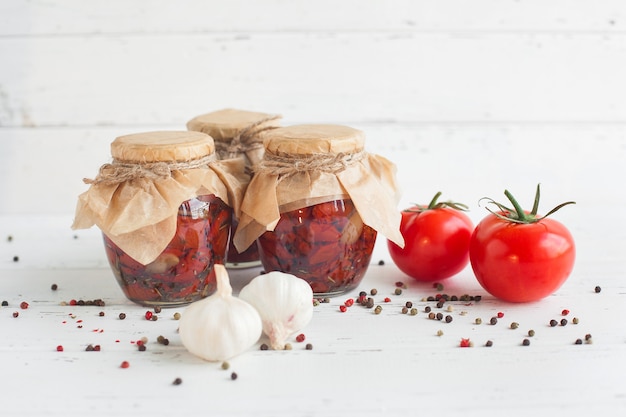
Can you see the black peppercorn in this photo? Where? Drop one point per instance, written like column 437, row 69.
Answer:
column 494, row 320
column 525, row 342
column 122, row 316
column 553, row 323
column 177, row 381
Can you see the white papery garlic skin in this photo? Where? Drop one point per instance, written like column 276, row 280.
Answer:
column 284, row 301
column 220, row 326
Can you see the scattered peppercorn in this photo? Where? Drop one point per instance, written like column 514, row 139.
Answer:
column 264, row 346
column 101, row 314
column 9, row 238
column 141, row 347
column 233, row 376
column 588, row 336
column 439, row 332
column 309, row 346
column 531, row 333
column 122, row 316
column 378, row 310
column 525, row 342
column 565, row 312
column 489, row 343
column 398, row 291
column 177, row 381
column 288, row 346
column 154, row 317
column 575, row 320
column 387, row 300
column 553, row 323
column 405, row 310
column 16, row 258
column 427, row 309
column 60, row 348
column 465, row 343
column 440, row 303
column 54, row 287
column 369, row 303
column 148, row 315
column 448, row 318
column 408, row 304
column 413, row 312
column 300, row 338
column 89, row 348
column 478, row 320
column 563, row 322
column 343, row 308
column 177, row 316
column 15, row 314
column 514, row 325
column 494, row 320
column 578, row 342
column 438, row 286
column 431, row 315
column 124, row 364
column 225, row 365
column 5, row 303
column 381, row 262
column 500, row 314
column 597, row 289
column 349, row 302
column 157, row 309
column 23, row 305
column 373, row 291
column 439, row 316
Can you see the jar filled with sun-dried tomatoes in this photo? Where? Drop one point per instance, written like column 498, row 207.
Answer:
column 164, row 207
column 237, row 134
column 316, row 203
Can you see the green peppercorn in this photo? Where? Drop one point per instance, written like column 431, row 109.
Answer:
column 514, row 325
column 531, row 333
column 225, row 365
column 478, row 320
column 413, row 311
column 398, row 291
column 378, row 309
column 575, row 320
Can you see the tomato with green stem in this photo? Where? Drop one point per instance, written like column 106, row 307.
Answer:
column 436, row 240
column 521, row 256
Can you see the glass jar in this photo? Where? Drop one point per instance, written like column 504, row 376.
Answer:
column 316, row 204
column 183, row 272
column 237, row 135
column 163, row 208
column 326, row 244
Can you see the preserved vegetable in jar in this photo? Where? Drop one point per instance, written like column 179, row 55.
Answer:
column 163, row 206
column 237, row 134
column 316, row 203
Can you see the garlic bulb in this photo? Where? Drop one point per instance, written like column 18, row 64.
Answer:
column 220, row 326
column 284, row 301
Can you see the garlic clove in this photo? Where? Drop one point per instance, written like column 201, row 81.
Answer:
column 284, row 302
column 220, row 326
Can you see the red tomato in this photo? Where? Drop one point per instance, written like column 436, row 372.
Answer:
column 521, row 258
column 436, row 241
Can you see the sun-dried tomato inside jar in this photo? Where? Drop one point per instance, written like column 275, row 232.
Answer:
column 163, row 208
column 316, row 203
column 237, row 135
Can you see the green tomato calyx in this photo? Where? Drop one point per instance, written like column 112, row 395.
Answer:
column 517, row 214
column 434, row 205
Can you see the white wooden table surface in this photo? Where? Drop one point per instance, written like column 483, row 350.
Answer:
column 467, row 98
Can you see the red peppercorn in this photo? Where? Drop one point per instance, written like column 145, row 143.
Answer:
column 16, row 314
column 23, row 305
column 349, row 302
column 465, row 343
column 500, row 314
column 387, row 299
column 343, row 308
column 148, row 315
column 300, row 338
column 73, row 302
column 124, row 364
column 60, row 348
column 565, row 312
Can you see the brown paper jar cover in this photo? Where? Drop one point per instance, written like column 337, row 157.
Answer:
column 305, row 165
column 135, row 199
column 236, row 132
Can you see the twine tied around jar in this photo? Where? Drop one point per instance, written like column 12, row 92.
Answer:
column 119, row 171
column 287, row 165
column 246, row 139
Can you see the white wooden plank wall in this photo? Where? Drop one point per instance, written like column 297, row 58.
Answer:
column 434, row 84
